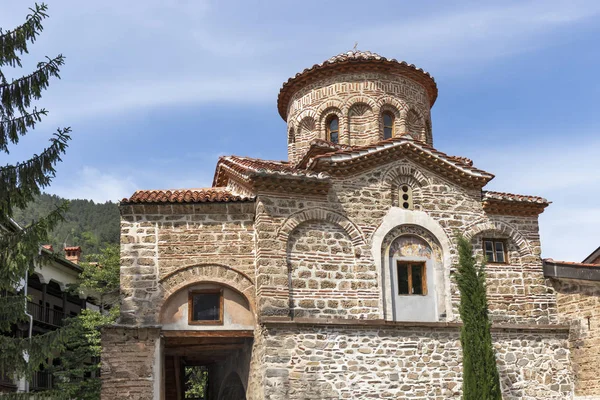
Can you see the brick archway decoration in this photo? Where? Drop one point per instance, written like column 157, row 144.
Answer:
column 482, row 226
column 403, row 174
column 321, row 214
column 207, row 273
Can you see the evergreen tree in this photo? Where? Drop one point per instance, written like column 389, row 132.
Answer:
column 19, row 183
column 480, row 373
column 78, row 375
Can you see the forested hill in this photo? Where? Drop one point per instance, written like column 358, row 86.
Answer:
column 87, row 224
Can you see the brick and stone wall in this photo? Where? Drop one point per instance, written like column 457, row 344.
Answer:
column 166, row 247
column 410, row 362
column 579, row 305
column 355, row 209
column 129, row 369
column 358, row 100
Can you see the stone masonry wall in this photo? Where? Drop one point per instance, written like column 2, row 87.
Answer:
column 579, row 305
column 160, row 241
column 358, row 99
column 325, row 278
column 518, row 291
column 333, row 362
column 128, row 356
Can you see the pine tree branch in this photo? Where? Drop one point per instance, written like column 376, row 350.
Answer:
column 12, row 310
column 38, row 348
column 19, row 183
column 15, row 41
column 11, row 129
column 19, row 93
column 20, row 250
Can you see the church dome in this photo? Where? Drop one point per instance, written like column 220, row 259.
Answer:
column 356, row 98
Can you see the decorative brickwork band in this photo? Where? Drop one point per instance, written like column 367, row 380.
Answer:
column 313, row 214
column 482, row 226
column 207, row 273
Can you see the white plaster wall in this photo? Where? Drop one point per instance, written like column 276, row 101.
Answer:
column 396, row 217
column 236, row 315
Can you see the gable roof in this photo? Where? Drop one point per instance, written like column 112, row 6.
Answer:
column 354, row 159
column 503, row 203
column 593, row 258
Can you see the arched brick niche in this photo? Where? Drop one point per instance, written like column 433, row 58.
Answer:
column 237, row 287
column 411, row 248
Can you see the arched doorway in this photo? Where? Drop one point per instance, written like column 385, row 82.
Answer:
column 232, row 388
column 207, row 331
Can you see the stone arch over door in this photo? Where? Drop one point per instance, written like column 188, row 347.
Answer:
column 207, row 273
column 232, row 388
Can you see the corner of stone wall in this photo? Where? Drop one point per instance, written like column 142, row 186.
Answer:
column 128, row 358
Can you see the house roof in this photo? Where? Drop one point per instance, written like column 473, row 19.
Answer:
column 354, row 61
column 248, row 169
column 353, row 159
column 571, row 270
column 592, row 258
column 503, row 203
column 204, row 195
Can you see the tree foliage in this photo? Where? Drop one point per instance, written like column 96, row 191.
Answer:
column 77, row 376
column 480, row 373
column 90, row 225
column 19, row 184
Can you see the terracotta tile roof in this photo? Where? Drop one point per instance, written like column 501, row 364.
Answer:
column 206, row 195
column 248, row 168
column 436, row 159
column 570, row 263
column 502, row 196
column 71, row 248
column 354, row 61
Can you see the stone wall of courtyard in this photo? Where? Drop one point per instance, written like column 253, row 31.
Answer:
column 310, row 361
column 579, row 305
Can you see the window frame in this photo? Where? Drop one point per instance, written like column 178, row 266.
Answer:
column 494, row 241
column 393, row 118
column 328, row 130
column 409, row 265
column 191, row 294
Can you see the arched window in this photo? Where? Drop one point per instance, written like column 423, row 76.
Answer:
column 333, row 129
column 388, row 125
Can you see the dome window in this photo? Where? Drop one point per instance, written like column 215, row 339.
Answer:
column 388, row 125
column 333, row 129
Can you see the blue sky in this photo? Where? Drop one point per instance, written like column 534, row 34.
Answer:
column 156, row 91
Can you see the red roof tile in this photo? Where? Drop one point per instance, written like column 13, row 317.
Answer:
column 354, row 61
column 502, row 196
column 248, row 168
column 206, row 195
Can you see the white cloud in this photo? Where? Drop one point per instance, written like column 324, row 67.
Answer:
column 477, row 33
column 90, row 183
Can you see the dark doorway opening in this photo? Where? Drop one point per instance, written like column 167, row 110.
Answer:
column 206, row 365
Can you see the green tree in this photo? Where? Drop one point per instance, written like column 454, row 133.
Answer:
column 77, row 376
column 19, row 184
column 480, row 373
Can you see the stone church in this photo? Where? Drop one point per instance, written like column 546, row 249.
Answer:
column 330, row 275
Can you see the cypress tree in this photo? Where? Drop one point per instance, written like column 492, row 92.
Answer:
column 20, row 182
column 480, row 373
